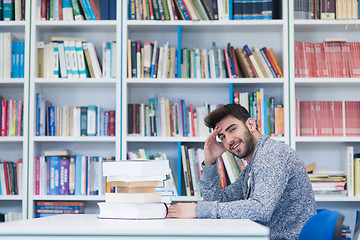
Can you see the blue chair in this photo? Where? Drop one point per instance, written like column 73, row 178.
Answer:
column 325, row 225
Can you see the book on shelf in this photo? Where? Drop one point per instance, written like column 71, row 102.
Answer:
column 11, row 177
column 49, row 208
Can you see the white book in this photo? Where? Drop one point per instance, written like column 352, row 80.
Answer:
column 132, row 210
column 73, row 59
column 67, row 11
column 193, row 12
column 221, row 9
column 47, row 54
column 113, row 60
column 137, row 168
column 7, row 54
column 162, row 116
column 198, row 63
column 80, row 59
column 212, row 63
column 170, row 10
column 76, row 122
column 193, row 169
column 83, row 174
column 160, row 62
column 94, row 60
column 221, row 69
column 2, row 55
column 55, row 60
column 229, row 167
column 108, row 60
column 68, row 59
column 165, row 61
column 104, row 61
column 349, row 170
column 17, row 15
column 92, row 121
column 20, row 174
column 153, row 60
column 62, row 61
column 43, row 176
column 2, row 179
column 138, row 63
column 262, row 60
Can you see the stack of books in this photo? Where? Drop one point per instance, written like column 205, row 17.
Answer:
column 134, row 183
column 328, row 182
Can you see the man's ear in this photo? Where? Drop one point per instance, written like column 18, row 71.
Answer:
column 251, row 124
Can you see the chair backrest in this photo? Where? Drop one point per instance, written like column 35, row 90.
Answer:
column 325, row 225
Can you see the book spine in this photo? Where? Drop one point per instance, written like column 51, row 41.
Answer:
column 76, row 10
column 64, row 175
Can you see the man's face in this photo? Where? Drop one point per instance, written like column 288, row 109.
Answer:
column 236, row 137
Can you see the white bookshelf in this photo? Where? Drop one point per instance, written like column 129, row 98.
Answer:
column 104, row 92
column 327, row 152
column 181, row 34
column 14, row 148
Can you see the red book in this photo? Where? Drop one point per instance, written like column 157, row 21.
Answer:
column 19, row 118
column 151, row 9
column 43, row 10
column 112, row 123
column 330, row 58
column 250, row 63
column 221, row 170
column 237, row 70
column 310, row 59
column 236, row 97
column 60, row 10
column 4, row 117
column 37, row 176
column 318, row 118
column 300, row 58
column 337, row 115
column 321, row 65
column 192, row 120
column 354, row 59
column 95, row 10
column 273, row 65
column 345, row 50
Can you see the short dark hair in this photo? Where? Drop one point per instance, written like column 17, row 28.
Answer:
column 233, row 109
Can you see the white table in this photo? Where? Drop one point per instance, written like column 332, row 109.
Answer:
column 88, row 226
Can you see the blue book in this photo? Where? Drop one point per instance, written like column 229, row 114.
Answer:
column 216, row 60
column 109, row 47
column 92, row 120
column 153, row 60
column 37, row 124
column 102, row 123
column 90, row 10
column 77, row 175
column 105, row 9
column 8, row 10
column 112, row 10
column 67, row 10
column 54, row 175
column 21, row 59
column 183, row 9
column 56, row 60
column 1, row 11
column 266, row 125
column 132, row 10
column 52, row 117
column 185, row 127
column 14, row 53
column 262, row 51
column 60, row 207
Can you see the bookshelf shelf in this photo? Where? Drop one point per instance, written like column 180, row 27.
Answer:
column 76, row 24
column 69, row 198
column 202, row 23
column 77, row 81
column 75, row 139
column 11, row 139
column 11, row 197
column 208, row 81
column 12, row 81
column 328, row 139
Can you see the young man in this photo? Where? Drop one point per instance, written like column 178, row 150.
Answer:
column 274, row 188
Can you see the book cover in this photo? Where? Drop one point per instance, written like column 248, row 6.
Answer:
column 64, row 175
column 118, row 210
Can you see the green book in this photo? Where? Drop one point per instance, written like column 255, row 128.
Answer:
column 76, row 10
column 156, row 10
column 166, row 9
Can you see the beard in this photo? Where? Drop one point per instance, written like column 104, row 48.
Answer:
column 249, row 145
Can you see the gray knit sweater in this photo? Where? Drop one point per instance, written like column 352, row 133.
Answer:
column 280, row 194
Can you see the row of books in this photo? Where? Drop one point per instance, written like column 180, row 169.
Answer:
column 327, row 118
column 11, row 115
column 50, row 208
column 191, row 159
column 135, row 195
column 68, row 10
column 72, row 120
column 162, row 118
column 326, row 9
column 203, row 9
column 12, row 57
column 327, row 59
column 149, row 60
column 11, row 177
column 66, row 174
column 12, row 10
column 229, row 168
column 75, row 59
column 10, row 216
column 268, row 115
column 176, row 9
column 327, row 182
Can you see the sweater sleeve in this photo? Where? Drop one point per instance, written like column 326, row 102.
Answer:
column 268, row 180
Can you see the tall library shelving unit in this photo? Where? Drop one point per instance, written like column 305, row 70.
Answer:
column 104, row 92
column 198, row 91
column 329, row 153
column 13, row 148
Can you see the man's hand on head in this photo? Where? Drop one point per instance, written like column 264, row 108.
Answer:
column 213, row 149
